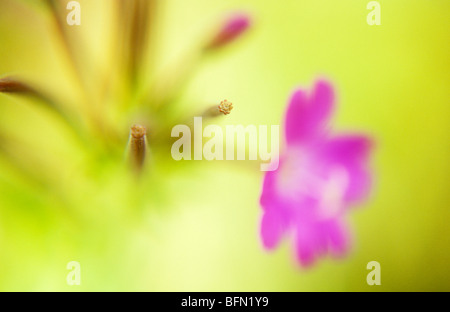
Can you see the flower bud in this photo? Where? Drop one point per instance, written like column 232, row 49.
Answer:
column 232, row 29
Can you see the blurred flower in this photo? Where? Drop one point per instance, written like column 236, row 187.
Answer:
column 319, row 176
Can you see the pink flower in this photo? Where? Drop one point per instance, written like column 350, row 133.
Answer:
column 232, row 29
column 318, row 177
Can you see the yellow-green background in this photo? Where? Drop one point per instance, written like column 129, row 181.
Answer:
column 198, row 228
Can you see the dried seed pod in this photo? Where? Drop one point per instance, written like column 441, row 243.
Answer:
column 138, row 146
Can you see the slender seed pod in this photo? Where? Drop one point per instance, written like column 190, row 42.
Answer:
column 138, row 146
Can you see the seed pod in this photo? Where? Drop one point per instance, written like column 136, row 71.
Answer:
column 138, row 146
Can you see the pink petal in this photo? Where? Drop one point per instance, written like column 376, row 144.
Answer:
column 359, row 185
column 271, row 230
column 338, row 237
column 305, row 245
column 351, row 152
column 268, row 194
column 306, row 115
column 349, row 147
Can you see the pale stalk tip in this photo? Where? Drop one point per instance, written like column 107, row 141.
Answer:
column 225, row 107
column 138, row 131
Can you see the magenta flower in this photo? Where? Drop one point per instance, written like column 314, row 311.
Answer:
column 318, row 177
